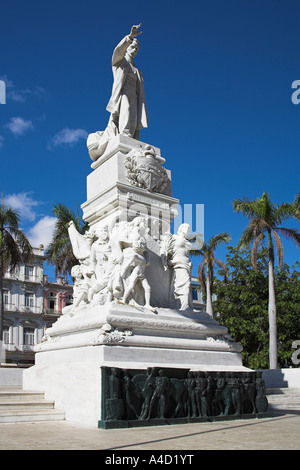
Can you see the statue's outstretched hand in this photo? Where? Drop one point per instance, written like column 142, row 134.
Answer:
column 134, row 31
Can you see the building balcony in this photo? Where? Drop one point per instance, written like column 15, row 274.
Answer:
column 10, row 307
column 23, row 277
column 31, row 278
column 26, row 347
column 51, row 311
column 30, row 309
column 10, row 347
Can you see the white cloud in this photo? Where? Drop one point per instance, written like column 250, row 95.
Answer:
column 8, row 83
column 24, row 204
column 68, row 137
column 18, row 125
column 41, row 232
column 20, row 95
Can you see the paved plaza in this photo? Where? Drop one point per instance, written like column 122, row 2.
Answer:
column 278, row 432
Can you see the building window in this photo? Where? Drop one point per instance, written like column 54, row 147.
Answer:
column 29, row 299
column 28, row 272
column 195, row 293
column 28, row 336
column 52, row 301
column 6, row 335
column 6, row 297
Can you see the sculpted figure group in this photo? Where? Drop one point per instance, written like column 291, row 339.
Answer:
column 160, row 394
column 113, row 262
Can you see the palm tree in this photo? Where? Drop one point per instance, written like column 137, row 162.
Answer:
column 14, row 249
column 59, row 251
column 265, row 218
column 297, row 207
column 207, row 264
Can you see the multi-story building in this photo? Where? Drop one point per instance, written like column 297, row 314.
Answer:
column 31, row 304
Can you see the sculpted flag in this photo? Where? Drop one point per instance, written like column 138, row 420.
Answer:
column 81, row 244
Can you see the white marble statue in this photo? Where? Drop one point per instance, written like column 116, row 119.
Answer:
column 99, row 255
column 82, row 273
column 137, row 261
column 114, row 262
column 81, row 288
column 127, row 107
column 175, row 255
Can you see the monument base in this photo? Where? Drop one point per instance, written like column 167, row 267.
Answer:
column 79, row 348
column 159, row 396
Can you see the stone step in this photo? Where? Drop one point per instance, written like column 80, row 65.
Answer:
column 31, row 416
column 283, row 398
column 283, row 391
column 25, row 404
column 17, row 405
column 20, row 396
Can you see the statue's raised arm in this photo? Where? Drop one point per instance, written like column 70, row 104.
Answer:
column 127, row 107
column 134, row 31
column 129, row 42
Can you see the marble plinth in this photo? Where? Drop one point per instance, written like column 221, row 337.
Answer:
column 110, row 191
column 69, row 360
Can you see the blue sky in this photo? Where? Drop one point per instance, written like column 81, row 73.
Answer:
column 218, row 81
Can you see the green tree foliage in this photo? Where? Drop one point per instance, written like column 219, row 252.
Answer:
column 264, row 220
column 242, row 306
column 14, row 249
column 59, row 251
column 206, row 267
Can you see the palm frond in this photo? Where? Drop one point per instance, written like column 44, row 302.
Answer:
column 223, row 267
column 59, row 251
column 279, row 249
column 247, row 237
column 201, row 274
column 296, row 205
column 266, row 209
column 291, row 234
column 216, row 241
column 245, row 207
column 285, row 211
column 14, row 245
column 9, row 218
column 24, row 245
column 255, row 227
column 255, row 246
column 10, row 252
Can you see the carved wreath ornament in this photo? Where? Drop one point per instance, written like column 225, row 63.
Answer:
column 145, row 171
column 110, row 335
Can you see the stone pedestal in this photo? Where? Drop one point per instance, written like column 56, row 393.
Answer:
column 128, row 189
column 115, row 189
column 76, row 348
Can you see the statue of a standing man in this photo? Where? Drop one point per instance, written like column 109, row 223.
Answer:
column 127, row 107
